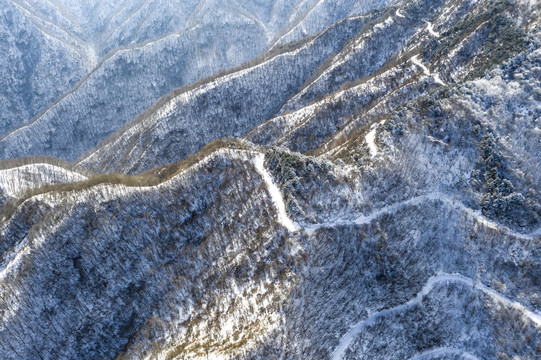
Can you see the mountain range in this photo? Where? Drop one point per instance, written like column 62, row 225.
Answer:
column 347, row 179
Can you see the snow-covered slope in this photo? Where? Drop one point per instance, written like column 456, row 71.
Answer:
column 140, row 51
column 374, row 72
column 229, row 105
column 384, row 211
column 311, row 17
column 345, row 96
column 39, row 63
column 15, row 181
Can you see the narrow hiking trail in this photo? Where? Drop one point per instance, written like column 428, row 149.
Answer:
column 418, row 200
column 350, row 336
column 275, row 194
column 426, row 71
column 427, row 355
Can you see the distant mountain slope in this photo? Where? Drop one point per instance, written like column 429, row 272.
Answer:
column 311, row 17
column 228, row 105
column 388, row 66
column 379, row 69
column 141, row 52
column 39, row 63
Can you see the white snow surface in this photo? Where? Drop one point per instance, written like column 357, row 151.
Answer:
column 370, row 139
column 430, row 29
column 17, row 180
column 350, row 336
column 275, row 194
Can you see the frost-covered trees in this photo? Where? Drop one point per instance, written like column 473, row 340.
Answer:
column 500, row 199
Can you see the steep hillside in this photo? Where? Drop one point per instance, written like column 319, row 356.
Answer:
column 17, row 179
column 380, row 199
column 311, row 17
column 346, row 96
column 39, row 63
column 142, row 52
column 228, row 105
column 378, row 69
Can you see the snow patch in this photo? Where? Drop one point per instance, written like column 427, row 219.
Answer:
column 417, row 62
column 388, row 22
column 370, row 139
column 427, row 72
column 430, row 29
column 275, row 194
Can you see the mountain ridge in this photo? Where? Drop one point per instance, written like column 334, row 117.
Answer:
column 235, row 38
column 383, row 203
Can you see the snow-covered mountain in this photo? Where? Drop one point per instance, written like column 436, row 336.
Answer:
column 125, row 56
column 38, row 62
column 379, row 68
column 371, row 190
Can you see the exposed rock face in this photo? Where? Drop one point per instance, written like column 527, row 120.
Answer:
column 378, row 197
